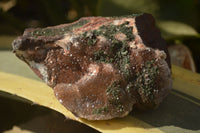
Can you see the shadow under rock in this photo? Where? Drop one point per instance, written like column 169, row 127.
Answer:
column 174, row 111
column 35, row 118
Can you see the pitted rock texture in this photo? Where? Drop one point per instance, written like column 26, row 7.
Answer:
column 100, row 67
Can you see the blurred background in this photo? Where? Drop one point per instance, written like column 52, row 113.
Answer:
column 178, row 21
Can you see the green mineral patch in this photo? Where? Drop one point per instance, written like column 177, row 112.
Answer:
column 110, row 30
column 146, row 79
column 58, row 31
column 119, row 49
column 129, row 87
column 100, row 56
column 113, row 92
column 100, row 110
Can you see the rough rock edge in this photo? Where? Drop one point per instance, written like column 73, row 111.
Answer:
column 145, row 26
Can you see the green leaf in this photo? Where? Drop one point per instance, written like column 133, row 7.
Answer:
column 124, row 7
column 177, row 10
column 173, row 29
column 6, row 41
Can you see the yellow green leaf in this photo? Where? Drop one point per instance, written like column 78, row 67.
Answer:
column 172, row 29
column 5, row 42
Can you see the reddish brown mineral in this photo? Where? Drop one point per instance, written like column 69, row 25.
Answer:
column 181, row 56
column 100, row 67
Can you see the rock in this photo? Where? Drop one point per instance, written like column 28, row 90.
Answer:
column 100, row 67
column 181, row 56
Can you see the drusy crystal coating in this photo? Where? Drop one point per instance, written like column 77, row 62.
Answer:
column 100, row 67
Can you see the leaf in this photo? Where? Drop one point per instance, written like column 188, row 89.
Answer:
column 125, row 7
column 174, row 10
column 38, row 92
column 174, row 29
column 16, row 129
column 8, row 59
column 5, row 42
column 7, row 5
column 186, row 81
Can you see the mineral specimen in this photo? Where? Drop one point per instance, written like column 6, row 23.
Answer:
column 100, row 67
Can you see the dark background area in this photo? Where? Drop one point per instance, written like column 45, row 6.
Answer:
column 15, row 15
